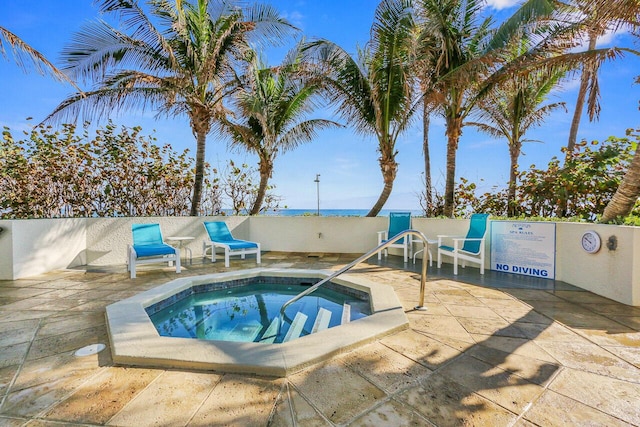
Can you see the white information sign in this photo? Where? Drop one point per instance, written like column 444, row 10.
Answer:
column 527, row 248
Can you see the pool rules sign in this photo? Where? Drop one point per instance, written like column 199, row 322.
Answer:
column 527, row 248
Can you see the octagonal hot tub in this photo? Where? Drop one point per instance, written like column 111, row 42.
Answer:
column 135, row 340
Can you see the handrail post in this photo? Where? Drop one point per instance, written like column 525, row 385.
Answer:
column 372, row 252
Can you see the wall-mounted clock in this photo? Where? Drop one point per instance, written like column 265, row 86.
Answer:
column 591, row 241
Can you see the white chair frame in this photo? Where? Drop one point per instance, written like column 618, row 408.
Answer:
column 459, row 254
column 133, row 260
column 243, row 252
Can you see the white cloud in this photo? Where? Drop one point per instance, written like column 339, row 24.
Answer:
column 502, row 4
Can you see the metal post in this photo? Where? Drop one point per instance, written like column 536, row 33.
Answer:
column 317, row 181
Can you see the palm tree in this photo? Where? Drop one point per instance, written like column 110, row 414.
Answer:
column 374, row 92
column 509, row 112
column 510, row 109
column 627, row 194
column 24, row 54
column 176, row 60
column 272, row 103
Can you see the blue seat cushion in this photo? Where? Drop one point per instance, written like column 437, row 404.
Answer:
column 239, row 244
column 447, row 248
column 153, row 250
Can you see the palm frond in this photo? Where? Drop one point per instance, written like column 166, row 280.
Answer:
column 24, row 54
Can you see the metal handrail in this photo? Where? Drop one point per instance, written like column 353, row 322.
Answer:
column 372, row 252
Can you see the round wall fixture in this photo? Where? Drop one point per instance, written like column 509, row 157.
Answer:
column 89, row 350
column 591, row 241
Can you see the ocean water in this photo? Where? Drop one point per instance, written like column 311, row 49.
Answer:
column 335, row 212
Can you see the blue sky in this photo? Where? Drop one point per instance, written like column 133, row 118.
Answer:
column 347, row 163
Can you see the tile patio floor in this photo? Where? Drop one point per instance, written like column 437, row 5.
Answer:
column 497, row 350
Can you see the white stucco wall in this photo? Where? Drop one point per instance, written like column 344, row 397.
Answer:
column 41, row 245
column 6, row 250
column 610, row 273
column 31, row 247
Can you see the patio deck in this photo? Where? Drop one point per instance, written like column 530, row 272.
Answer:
column 497, row 350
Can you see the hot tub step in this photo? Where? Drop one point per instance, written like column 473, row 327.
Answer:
column 296, row 327
column 322, row 320
column 346, row 313
column 270, row 334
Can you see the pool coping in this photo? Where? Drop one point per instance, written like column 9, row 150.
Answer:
column 136, row 342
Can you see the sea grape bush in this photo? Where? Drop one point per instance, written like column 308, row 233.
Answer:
column 582, row 186
column 54, row 173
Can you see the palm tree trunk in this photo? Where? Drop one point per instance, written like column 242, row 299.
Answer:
column 428, row 193
column 577, row 114
column 514, row 153
column 389, row 168
column 200, row 125
column 627, row 194
column 454, row 125
column 266, row 167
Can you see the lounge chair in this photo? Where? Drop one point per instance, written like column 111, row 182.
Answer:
column 469, row 248
column 398, row 222
column 221, row 237
column 148, row 248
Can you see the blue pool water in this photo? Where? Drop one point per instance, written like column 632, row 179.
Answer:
column 246, row 313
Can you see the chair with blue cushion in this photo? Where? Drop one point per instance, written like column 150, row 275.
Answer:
column 220, row 237
column 468, row 248
column 398, row 222
column 149, row 248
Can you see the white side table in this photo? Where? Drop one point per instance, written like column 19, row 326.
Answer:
column 428, row 248
column 181, row 240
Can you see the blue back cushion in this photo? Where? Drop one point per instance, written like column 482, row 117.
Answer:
column 477, row 230
column 146, row 234
column 218, row 231
column 399, row 222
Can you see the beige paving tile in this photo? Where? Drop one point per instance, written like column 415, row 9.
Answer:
column 554, row 409
column 611, row 396
column 530, row 295
column 49, row 369
column 69, row 342
column 630, row 355
column 592, row 358
column 26, row 304
column 531, row 369
column 11, row 422
column 22, row 293
column 518, row 346
column 459, row 297
column 171, row 400
column 32, row 401
column 614, row 309
column 553, row 332
column 629, row 338
column 99, row 399
column 7, row 374
column 336, row 391
column 491, row 326
column 239, row 401
column 18, row 332
column 56, row 325
column 292, row 410
column 424, row 350
column 392, row 413
column 444, row 402
column 389, row 370
column 583, row 297
column 476, row 312
column 13, row 354
column 447, row 326
column 497, row 385
column 7, row 316
column 630, row 321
